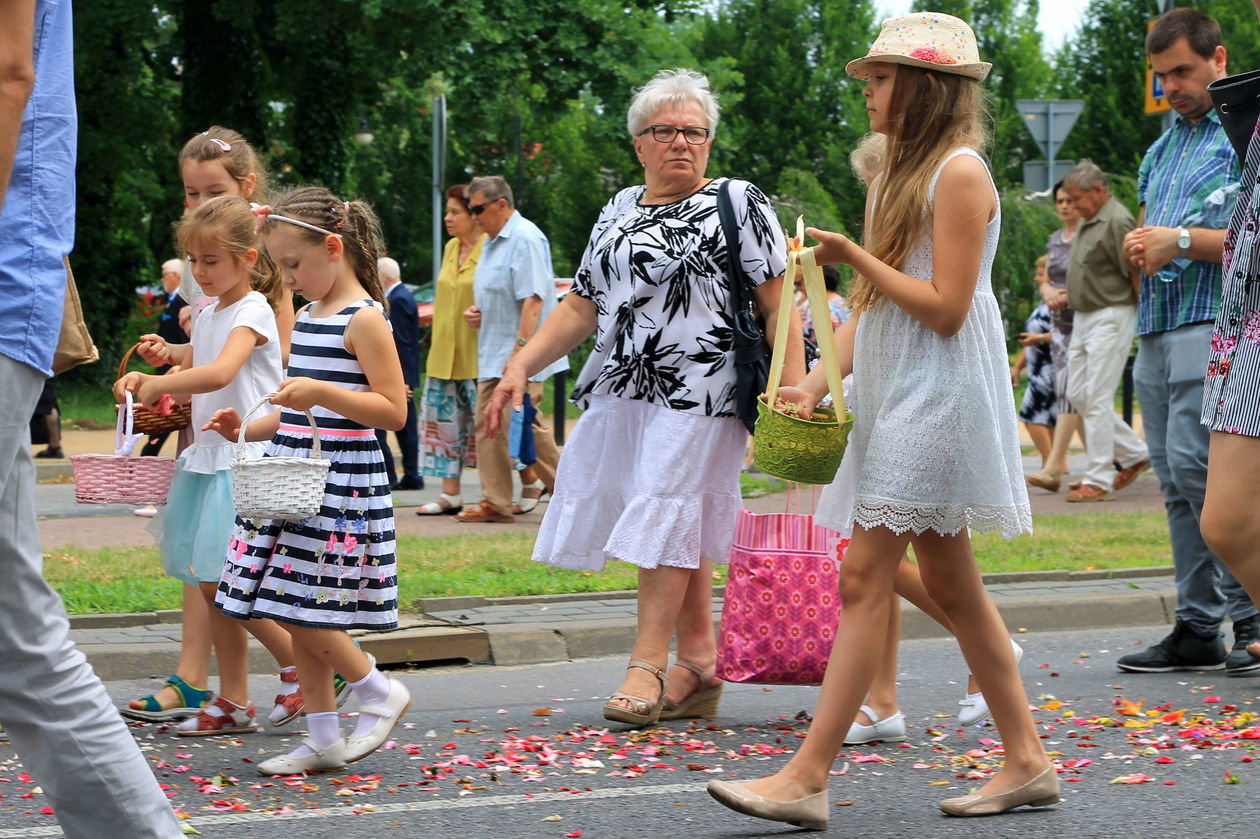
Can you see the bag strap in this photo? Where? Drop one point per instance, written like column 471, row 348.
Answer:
column 735, row 275
column 802, row 259
column 266, row 400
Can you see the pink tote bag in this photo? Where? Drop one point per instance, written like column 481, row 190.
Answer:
column 782, row 603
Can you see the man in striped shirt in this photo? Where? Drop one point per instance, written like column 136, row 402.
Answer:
column 1187, row 184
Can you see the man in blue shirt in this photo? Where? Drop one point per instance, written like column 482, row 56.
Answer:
column 1187, row 184
column 53, row 707
column 514, row 291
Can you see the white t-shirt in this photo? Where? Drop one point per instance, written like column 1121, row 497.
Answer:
column 260, row 375
column 191, row 291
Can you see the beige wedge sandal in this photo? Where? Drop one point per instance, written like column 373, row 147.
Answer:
column 701, row 702
column 641, row 711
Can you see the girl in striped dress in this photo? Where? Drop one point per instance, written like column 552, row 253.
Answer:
column 334, row 571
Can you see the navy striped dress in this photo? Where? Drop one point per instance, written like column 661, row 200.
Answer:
column 336, row 569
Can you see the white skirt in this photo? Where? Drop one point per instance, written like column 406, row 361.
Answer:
column 834, row 510
column 645, row 484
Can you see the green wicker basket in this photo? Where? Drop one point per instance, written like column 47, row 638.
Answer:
column 808, row 451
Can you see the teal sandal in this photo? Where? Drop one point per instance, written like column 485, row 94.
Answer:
column 192, row 701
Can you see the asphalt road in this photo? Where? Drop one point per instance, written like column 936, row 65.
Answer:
column 503, row 753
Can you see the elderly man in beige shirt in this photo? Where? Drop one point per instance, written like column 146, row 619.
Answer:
column 1102, row 289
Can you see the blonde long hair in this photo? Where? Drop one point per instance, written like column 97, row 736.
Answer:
column 932, row 114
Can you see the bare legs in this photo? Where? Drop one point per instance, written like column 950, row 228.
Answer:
column 1065, row 425
column 231, row 646
column 671, row 599
column 950, row 574
column 1041, row 436
column 194, row 650
column 319, row 653
column 1229, row 522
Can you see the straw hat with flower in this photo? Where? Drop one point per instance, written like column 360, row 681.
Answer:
column 931, row 40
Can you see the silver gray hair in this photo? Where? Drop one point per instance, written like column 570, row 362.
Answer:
column 672, row 87
column 173, row 266
column 388, row 270
column 492, row 187
column 1085, row 175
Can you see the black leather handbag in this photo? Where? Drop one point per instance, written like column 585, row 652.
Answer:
column 752, row 356
column 1237, row 100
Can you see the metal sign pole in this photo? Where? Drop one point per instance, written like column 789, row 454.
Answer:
column 439, row 175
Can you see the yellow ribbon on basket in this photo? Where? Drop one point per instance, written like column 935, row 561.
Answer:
column 785, row 445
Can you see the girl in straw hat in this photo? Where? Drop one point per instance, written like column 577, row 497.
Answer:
column 936, row 435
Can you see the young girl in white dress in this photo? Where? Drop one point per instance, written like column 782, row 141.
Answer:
column 935, row 433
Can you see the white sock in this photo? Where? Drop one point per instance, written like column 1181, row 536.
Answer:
column 287, row 688
column 371, row 691
column 453, row 500
column 974, row 695
column 324, row 728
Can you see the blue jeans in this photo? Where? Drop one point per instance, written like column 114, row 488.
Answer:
column 1168, row 378
column 55, row 709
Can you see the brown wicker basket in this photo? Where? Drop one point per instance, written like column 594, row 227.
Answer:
column 153, row 422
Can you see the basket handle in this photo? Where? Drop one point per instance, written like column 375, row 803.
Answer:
column 122, row 365
column 803, row 260
column 266, row 400
column 124, row 437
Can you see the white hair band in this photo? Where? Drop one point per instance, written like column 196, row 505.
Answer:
column 268, row 215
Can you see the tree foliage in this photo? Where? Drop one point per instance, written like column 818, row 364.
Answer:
column 537, row 91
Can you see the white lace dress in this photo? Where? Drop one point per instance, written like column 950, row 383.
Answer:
column 935, row 441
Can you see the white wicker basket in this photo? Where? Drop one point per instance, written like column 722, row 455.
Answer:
column 283, row 488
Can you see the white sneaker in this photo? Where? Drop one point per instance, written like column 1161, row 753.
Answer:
column 145, row 512
column 972, row 707
column 891, row 729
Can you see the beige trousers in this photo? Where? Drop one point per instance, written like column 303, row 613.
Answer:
column 494, row 464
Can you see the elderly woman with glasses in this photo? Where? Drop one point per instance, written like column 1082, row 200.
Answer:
column 650, row 475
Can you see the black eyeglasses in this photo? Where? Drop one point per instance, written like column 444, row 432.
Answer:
column 478, row 209
column 693, row 134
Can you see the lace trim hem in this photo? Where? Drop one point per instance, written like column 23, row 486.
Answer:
column 947, row 520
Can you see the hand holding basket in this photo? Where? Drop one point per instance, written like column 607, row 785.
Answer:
column 788, row 446
column 119, row 478
column 164, row 421
column 281, row 488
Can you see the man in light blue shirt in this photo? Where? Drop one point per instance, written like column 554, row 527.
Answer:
column 53, row 707
column 514, row 291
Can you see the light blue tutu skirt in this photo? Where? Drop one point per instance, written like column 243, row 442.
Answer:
column 195, row 526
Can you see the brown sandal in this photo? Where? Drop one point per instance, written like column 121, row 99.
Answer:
column 483, row 512
column 641, row 711
column 701, row 702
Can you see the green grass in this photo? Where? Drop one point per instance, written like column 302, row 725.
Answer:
column 131, row 579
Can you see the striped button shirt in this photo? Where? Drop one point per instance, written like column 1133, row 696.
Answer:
column 1188, row 178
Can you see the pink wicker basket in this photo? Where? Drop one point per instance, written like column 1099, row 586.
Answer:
column 119, row 478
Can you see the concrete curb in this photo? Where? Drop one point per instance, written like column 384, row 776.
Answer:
column 137, row 646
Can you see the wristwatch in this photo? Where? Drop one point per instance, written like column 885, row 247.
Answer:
column 1183, row 241
column 520, row 342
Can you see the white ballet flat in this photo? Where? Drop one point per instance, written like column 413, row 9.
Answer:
column 388, row 716
column 321, row 760
column 891, row 729
column 972, row 707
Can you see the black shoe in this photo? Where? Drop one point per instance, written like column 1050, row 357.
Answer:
column 410, row 482
column 51, row 453
column 1241, row 662
column 1181, row 650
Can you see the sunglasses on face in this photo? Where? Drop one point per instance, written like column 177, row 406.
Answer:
column 478, row 209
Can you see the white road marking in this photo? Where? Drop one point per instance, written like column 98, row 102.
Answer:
column 207, row 822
